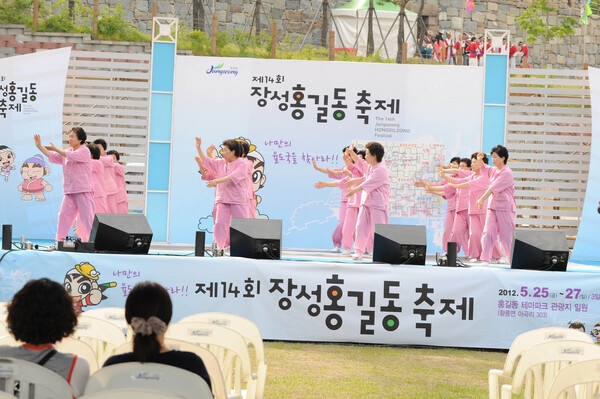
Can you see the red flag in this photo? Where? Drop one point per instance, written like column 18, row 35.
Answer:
column 470, row 6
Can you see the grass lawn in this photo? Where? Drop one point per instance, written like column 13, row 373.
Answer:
column 309, row 370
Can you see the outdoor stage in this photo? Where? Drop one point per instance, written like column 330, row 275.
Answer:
column 327, row 297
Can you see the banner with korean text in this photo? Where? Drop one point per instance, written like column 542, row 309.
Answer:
column 477, row 307
column 291, row 112
column 31, row 101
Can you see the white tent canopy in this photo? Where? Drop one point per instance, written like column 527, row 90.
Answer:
column 350, row 24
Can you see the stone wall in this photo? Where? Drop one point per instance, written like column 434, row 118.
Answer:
column 16, row 40
column 302, row 21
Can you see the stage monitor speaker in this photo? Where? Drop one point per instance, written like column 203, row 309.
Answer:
column 7, row 237
column 199, row 243
column 540, row 250
column 255, row 238
column 400, row 245
column 121, row 233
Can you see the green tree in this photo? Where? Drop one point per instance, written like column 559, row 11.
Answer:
column 533, row 22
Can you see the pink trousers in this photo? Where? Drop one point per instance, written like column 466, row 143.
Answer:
column 498, row 225
column 223, row 213
column 349, row 230
column 460, row 231
column 80, row 206
column 367, row 219
column 338, row 232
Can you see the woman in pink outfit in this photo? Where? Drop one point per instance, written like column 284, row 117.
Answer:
column 230, row 173
column 375, row 204
column 98, row 176
column 78, row 183
column 502, row 208
column 110, row 184
column 122, row 200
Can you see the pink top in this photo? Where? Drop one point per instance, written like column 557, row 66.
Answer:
column 110, row 184
column 236, row 190
column 98, row 177
column 77, row 170
column 450, row 196
column 502, row 183
column 354, row 201
column 478, row 184
column 120, row 181
column 377, row 187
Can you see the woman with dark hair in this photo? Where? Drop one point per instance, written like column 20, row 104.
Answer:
column 39, row 315
column 78, row 183
column 231, row 180
column 501, row 209
column 148, row 310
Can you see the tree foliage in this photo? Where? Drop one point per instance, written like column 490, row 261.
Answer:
column 533, row 22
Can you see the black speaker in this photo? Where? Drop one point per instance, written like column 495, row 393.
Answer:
column 400, row 245
column 451, row 254
column 540, row 250
column 200, row 243
column 255, row 238
column 7, row 237
column 121, row 233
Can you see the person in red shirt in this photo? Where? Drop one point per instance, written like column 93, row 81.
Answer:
column 473, row 49
column 512, row 62
column 525, row 57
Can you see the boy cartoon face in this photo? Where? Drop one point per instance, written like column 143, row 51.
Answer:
column 31, row 171
column 7, row 157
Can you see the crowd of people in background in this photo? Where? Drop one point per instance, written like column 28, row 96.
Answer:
column 446, row 49
column 93, row 182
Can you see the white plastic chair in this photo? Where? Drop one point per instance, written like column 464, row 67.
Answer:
column 114, row 315
column 101, row 335
column 251, row 333
column 129, row 393
column 579, row 380
column 542, row 362
column 22, row 378
column 210, row 362
column 149, row 376
column 521, row 343
column 79, row 348
column 230, row 349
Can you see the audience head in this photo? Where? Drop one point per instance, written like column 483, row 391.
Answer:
column 41, row 313
column 148, row 310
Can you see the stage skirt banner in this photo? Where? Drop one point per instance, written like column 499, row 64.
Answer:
column 291, row 112
column 31, row 102
column 586, row 244
column 312, row 300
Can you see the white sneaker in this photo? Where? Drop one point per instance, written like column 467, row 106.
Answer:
column 346, row 252
column 473, row 260
column 502, row 261
column 336, row 249
column 357, row 256
column 485, row 263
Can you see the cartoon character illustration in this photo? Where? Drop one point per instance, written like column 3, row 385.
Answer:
column 596, row 332
column 577, row 326
column 33, row 171
column 258, row 173
column 82, row 283
column 7, row 157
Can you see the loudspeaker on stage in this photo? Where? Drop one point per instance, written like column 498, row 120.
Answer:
column 400, row 245
column 535, row 249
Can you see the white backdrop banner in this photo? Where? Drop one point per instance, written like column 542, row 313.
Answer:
column 294, row 111
column 31, row 101
column 586, row 245
column 477, row 307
